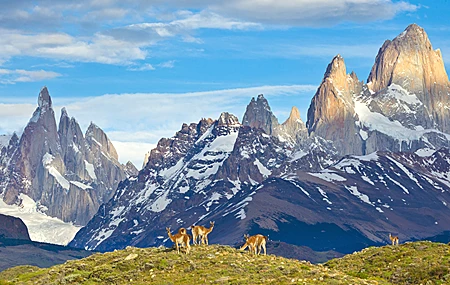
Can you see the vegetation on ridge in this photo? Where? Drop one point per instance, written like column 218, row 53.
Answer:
column 213, row 264
column 410, row 263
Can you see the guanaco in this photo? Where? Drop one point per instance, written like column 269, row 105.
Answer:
column 255, row 243
column 202, row 233
column 181, row 238
column 394, row 239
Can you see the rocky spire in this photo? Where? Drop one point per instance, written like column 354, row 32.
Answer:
column 409, row 61
column 97, row 138
column 227, row 119
column 146, row 158
column 331, row 113
column 259, row 115
column 44, row 100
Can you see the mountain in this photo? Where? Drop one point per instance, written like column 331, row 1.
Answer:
column 203, row 169
column 402, row 107
column 66, row 173
column 370, row 160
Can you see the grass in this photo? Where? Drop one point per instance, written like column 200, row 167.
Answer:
column 214, row 264
column 410, row 263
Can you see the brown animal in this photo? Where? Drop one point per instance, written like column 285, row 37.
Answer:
column 180, row 239
column 255, row 243
column 202, row 233
column 394, row 239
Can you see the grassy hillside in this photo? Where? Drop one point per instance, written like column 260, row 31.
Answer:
column 410, row 263
column 204, row 265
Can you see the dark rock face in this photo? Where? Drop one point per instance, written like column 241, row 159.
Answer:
column 259, row 115
column 13, row 228
column 66, row 172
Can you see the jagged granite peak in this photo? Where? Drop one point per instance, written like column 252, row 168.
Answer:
column 130, row 169
column 331, row 114
column 96, row 137
column 409, row 61
column 44, row 100
column 227, row 119
column 293, row 130
column 58, row 168
column 337, row 72
column 294, row 117
column 259, row 115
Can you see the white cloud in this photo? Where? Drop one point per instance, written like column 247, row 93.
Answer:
column 144, row 67
column 324, row 50
column 311, row 12
column 132, row 151
column 14, row 117
column 10, row 76
column 167, row 64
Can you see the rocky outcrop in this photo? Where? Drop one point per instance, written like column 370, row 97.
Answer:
column 67, row 173
column 13, row 228
column 331, row 114
column 259, row 115
column 293, row 130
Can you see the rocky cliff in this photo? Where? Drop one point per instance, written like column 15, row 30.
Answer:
column 13, row 228
column 67, row 173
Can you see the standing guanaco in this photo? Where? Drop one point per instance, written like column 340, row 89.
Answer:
column 179, row 239
column 255, row 243
column 394, row 239
column 201, row 232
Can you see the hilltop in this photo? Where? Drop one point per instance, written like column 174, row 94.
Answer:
column 214, row 264
column 410, row 263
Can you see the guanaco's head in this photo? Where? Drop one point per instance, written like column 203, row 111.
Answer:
column 246, row 236
column 182, row 231
column 168, row 230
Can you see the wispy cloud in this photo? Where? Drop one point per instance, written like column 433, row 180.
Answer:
column 167, row 64
column 144, row 67
column 312, row 12
column 123, row 33
column 12, row 76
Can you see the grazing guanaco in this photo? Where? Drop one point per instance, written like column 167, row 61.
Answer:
column 179, row 239
column 394, row 239
column 255, row 243
column 201, row 232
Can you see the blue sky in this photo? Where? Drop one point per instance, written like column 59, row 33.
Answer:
column 139, row 69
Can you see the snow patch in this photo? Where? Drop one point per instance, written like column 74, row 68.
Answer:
column 262, row 169
column 42, row 228
column 328, row 176
column 90, row 169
